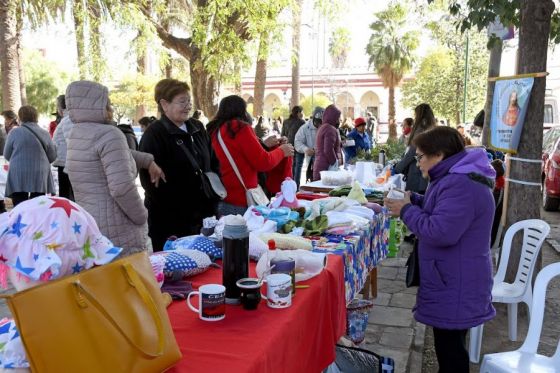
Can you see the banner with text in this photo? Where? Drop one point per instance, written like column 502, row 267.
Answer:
column 511, row 98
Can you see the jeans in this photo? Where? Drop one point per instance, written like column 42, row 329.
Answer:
column 297, row 166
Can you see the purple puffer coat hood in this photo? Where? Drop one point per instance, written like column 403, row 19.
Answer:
column 331, row 115
column 453, row 223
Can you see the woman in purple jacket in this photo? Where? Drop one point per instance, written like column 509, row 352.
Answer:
column 327, row 146
column 452, row 222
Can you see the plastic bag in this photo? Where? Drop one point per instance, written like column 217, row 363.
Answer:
column 308, row 264
column 336, row 178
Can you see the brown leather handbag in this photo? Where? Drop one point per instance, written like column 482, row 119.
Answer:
column 107, row 319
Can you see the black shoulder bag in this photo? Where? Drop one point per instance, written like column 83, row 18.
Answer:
column 211, row 184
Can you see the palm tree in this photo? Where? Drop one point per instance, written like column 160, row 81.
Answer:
column 390, row 51
column 339, row 46
column 9, row 61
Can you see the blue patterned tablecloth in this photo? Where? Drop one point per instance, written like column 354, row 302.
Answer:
column 362, row 250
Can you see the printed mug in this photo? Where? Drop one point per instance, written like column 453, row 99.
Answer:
column 278, row 290
column 211, row 302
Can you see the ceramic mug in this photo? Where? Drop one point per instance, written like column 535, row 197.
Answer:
column 211, row 302
column 278, row 290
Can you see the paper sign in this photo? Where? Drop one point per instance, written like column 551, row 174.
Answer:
column 509, row 106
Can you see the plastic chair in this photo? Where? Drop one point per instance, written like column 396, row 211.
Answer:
column 535, row 232
column 526, row 359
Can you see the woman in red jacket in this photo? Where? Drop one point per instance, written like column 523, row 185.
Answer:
column 245, row 149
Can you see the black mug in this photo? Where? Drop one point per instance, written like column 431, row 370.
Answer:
column 250, row 293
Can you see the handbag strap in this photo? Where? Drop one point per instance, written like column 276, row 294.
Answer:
column 38, row 139
column 135, row 282
column 193, row 161
column 230, row 159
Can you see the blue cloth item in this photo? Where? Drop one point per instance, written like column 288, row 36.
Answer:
column 362, row 142
column 198, row 243
column 280, row 215
column 453, row 223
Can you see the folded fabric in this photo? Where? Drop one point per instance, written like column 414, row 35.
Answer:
column 257, row 247
column 12, row 353
column 310, row 196
column 337, row 218
column 361, row 211
column 322, row 206
column 357, row 194
column 178, row 290
column 314, row 227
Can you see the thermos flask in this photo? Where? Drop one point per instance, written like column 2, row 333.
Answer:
column 235, row 260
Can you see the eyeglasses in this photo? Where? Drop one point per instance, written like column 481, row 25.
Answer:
column 418, row 157
column 183, row 103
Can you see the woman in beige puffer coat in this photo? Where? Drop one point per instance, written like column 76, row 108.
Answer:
column 102, row 168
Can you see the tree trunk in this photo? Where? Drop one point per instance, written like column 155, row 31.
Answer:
column 204, row 86
column 141, row 68
column 9, row 64
column 22, row 81
column 260, row 76
column 169, row 67
column 95, row 42
column 392, row 122
column 78, row 15
column 238, row 85
column 493, row 71
column 524, row 200
column 296, row 33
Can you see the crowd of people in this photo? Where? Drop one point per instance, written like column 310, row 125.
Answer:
column 98, row 161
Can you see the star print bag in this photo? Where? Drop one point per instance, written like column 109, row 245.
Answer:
column 109, row 318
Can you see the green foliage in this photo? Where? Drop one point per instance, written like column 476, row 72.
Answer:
column 44, row 82
column 318, row 100
column 479, row 14
column 391, row 46
column 282, row 112
column 393, row 150
column 339, row 46
column 131, row 92
column 439, row 80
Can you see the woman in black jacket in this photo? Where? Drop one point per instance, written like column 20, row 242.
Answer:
column 178, row 205
column 424, row 120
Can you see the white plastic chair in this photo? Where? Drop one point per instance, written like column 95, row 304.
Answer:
column 535, row 232
column 526, row 359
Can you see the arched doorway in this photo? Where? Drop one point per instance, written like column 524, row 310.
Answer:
column 346, row 103
column 271, row 101
column 370, row 102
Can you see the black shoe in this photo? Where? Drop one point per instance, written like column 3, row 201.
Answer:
column 2, row 207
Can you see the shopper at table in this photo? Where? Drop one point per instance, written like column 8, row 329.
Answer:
column 178, row 205
column 305, row 141
column 360, row 138
column 453, row 223
column 424, row 120
column 328, row 153
column 232, row 122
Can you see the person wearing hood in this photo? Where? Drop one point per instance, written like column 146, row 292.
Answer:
column 453, row 223
column 103, row 170
column 360, row 137
column 327, row 154
column 304, row 143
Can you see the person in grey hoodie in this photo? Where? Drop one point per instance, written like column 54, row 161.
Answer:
column 61, row 133
column 304, row 143
column 453, row 223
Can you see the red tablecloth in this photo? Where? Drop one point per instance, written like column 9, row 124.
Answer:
column 300, row 338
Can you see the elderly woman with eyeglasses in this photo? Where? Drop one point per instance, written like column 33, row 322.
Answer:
column 181, row 147
column 453, row 223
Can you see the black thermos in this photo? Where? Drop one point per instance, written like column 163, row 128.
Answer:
column 235, row 260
